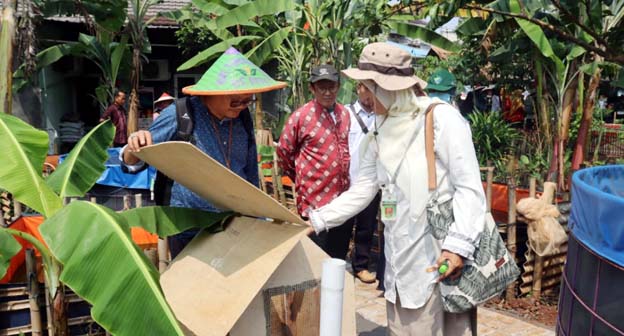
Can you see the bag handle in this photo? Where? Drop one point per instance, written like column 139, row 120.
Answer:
column 429, row 151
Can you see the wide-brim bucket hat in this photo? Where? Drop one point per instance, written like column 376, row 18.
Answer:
column 388, row 66
column 232, row 73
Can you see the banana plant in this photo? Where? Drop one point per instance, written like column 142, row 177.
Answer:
column 105, row 53
column 88, row 247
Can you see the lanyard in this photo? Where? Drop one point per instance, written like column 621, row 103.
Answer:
column 222, row 146
column 415, row 133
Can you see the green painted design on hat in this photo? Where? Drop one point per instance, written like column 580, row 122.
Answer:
column 233, row 73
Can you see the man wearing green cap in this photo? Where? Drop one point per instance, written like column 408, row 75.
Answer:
column 442, row 84
column 222, row 128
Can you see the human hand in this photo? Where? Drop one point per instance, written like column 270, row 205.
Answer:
column 309, row 231
column 454, row 263
column 139, row 139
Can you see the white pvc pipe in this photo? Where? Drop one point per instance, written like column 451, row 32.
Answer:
column 332, row 286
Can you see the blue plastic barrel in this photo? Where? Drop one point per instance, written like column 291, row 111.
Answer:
column 592, row 290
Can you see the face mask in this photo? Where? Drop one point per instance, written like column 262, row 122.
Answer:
column 441, row 95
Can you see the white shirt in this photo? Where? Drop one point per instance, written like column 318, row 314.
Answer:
column 356, row 135
column 409, row 247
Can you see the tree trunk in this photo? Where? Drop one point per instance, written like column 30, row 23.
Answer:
column 133, row 110
column 542, row 108
column 586, row 121
column 59, row 313
column 567, row 106
column 7, row 40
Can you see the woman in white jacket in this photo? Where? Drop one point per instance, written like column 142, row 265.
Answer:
column 393, row 159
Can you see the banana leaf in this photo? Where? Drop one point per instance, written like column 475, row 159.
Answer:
column 7, row 33
column 103, row 265
column 117, row 55
column 251, row 10
column 8, row 249
column 84, row 164
column 211, row 52
column 537, row 35
column 167, row 221
column 209, row 7
column 24, row 149
column 263, row 50
column 52, row 268
column 424, row 34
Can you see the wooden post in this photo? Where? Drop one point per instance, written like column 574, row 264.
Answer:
column 33, row 293
column 538, row 262
column 138, row 200
column 532, row 186
column 511, row 231
column 126, row 202
column 488, row 189
column 17, row 209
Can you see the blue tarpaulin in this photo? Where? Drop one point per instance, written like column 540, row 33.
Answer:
column 113, row 175
column 597, row 217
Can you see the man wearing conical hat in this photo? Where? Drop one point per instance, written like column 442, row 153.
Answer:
column 222, row 127
column 161, row 103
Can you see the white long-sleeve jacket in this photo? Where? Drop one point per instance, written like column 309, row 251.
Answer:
column 409, row 247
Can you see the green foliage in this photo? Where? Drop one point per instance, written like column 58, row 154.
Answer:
column 76, row 175
column 192, row 40
column 494, row 139
column 11, row 248
column 87, row 246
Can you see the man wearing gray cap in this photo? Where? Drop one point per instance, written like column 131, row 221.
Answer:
column 314, row 152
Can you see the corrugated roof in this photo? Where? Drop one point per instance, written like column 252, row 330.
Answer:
column 165, row 6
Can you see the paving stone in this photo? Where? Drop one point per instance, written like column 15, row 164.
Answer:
column 371, row 319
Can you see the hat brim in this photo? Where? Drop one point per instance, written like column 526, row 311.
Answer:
column 163, row 99
column 439, row 87
column 190, row 90
column 386, row 82
column 333, row 78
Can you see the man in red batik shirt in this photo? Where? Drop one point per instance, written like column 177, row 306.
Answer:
column 314, row 152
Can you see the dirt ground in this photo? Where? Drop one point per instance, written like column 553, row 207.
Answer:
column 543, row 311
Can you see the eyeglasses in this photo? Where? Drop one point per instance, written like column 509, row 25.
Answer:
column 327, row 89
column 242, row 103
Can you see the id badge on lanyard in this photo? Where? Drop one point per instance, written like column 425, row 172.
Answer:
column 388, row 202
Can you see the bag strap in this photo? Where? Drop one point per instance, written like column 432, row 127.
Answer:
column 185, row 120
column 359, row 120
column 429, row 150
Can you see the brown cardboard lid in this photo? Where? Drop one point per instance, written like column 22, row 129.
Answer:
column 192, row 168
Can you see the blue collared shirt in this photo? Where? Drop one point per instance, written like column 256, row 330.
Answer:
column 243, row 155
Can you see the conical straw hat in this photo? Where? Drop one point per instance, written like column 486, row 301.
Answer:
column 233, row 73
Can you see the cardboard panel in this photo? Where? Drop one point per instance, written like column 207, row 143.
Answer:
column 197, row 171
column 211, row 283
column 301, row 266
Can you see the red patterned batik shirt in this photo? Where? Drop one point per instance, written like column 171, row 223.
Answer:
column 314, row 152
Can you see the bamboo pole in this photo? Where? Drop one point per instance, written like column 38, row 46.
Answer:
column 33, row 293
column 48, row 310
column 163, row 254
column 138, row 200
column 488, row 189
column 126, row 202
column 511, row 230
column 17, row 209
column 547, row 196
